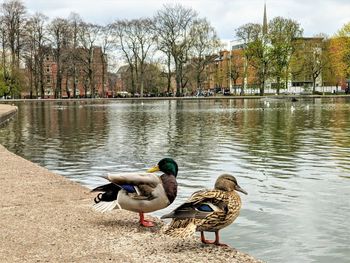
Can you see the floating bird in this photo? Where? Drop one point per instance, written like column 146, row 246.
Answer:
column 139, row 192
column 207, row 210
column 292, row 108
column 307, row 107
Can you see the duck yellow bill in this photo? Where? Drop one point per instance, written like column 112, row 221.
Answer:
column 153, row 169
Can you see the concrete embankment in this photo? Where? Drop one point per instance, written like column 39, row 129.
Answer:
column 48, row 218
column 6, row 113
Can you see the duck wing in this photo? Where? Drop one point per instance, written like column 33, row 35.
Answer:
column 137, row 186
column 134, row 179
column 200, row 205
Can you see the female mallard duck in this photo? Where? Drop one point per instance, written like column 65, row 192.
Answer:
column 139, row 192
column 207, row 210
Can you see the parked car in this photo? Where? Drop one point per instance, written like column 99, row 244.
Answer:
column 227, row 92
column 123, row 94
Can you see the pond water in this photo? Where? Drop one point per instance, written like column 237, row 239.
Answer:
column 291, row 157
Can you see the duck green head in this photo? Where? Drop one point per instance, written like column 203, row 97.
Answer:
column 166, row 165
column 227, row 182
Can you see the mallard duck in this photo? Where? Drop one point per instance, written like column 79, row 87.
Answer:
column 207, row 210
column 139, row 192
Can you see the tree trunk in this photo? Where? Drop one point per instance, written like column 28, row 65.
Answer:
column 67, row 86
column 132, row 79
column 314, row 86
column 141, row 79
column 103, row 74
column 41, row 74
column 74, row 81
column 169, row 74
column 198, row 78
column 262, row 88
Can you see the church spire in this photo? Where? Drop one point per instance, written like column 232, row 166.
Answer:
column 265, row 21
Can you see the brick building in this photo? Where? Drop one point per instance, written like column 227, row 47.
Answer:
column 91, row 78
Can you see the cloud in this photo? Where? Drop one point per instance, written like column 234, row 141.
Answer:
column 326, row 16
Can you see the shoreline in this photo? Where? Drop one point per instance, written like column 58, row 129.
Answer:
column 47, row 217
column 7, row 112
column 286, row 97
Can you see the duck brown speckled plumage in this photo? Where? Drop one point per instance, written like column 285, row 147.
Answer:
column 207, row 210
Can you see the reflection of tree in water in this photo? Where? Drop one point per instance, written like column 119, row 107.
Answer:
column 196, row 133
column 201, row 130
column 11, row 135
column 42, row 127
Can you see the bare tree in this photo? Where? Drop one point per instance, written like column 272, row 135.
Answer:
column 88, row 36
column 173, row 26
column 73, row 58
column 107, row 40
column 14, row 13
column 60, row 36
column 205, row 44
column 36, row 49
column 140, row 32
column 127, row 47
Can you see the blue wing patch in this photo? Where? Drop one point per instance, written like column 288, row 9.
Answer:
column 205, row 208
column 129, row 188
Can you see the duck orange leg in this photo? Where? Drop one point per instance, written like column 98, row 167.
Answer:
column 144, row 222
column 204, row 240
column 217, row 240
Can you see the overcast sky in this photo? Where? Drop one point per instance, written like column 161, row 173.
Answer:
column 315, row 16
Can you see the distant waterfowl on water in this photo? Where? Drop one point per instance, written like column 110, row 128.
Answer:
column 139, row 192
column 266, row 103
column 207, row 210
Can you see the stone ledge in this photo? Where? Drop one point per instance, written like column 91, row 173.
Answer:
column 7, row 112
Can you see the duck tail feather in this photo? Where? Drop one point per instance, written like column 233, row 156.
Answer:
column 107, row 199
column 103, row 207
column 109, row 193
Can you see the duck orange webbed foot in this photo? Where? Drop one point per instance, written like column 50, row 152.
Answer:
column 214, row 242
column 145, row 223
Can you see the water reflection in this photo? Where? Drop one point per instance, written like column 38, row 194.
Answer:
column 292, row 157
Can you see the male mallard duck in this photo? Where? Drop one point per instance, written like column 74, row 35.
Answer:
column 207, row 210
column 139, row 192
